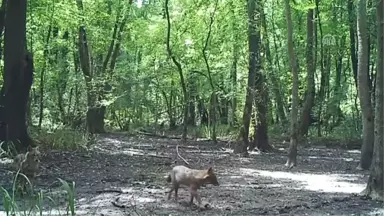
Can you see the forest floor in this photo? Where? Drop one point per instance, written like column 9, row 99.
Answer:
column 124, row 175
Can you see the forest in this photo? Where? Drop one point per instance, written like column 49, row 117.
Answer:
column 272, row 107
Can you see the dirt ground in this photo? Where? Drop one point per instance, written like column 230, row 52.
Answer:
column 123, row 175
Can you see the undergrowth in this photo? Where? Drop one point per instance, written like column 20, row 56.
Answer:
column 33, row 203
column 62, row 139
column 222, row 131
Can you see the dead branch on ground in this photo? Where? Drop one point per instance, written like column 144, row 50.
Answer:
column 178, row 154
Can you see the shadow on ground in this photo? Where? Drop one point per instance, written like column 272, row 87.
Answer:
column 123, row 175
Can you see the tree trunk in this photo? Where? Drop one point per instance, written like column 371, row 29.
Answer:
column 94, row 110
column 253, row 47
column 271, row 74
column 352, row 35
column 375, row 186
column 310, row 93
column 292, row 154
column 261, row 140
column 364, row 93
column 320, row 94
column 213, row 100
column 181, row 75
column 2, row 22
column 192, row 90
column 212, row 116
column 233, row 72
column 42, row 76
column 233, row 76
column 203, row 113
column 18, row 77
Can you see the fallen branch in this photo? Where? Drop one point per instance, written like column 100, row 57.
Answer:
column 177, row 151
column 142, row 132
column 118, row 205
column 114, row 203
column 119, row 191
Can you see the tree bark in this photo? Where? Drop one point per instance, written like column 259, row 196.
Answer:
column 375, row 185
column 364, row 93
column 233, row 72
column 18, row 77
column 233, row 78
column 261, row 140
column 310, row 93
column 2, row 21
column 352, row 36
column 253, row 47
column 292, row 154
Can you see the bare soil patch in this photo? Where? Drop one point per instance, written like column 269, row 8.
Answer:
column 123, row 175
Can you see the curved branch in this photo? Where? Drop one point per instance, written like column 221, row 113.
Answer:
column 206, row 44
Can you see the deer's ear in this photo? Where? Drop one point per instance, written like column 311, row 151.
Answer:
column 210, row 170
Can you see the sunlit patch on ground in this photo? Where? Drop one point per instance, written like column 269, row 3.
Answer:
column 333, row 158
column 354, row 151
column 332, row 183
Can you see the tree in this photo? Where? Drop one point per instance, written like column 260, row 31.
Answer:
column 96, row 109
column 261, row 97
column 363, row 90
column 181, row 75
column 254, row 53
column 271, row 74
column 292, row 154
column 375, row 186
column 310, row 92
column 18, row 77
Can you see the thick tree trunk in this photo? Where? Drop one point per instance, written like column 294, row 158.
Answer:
column 375, row 185
column 261, row 98
column 292, row 154
column 18, row 77
column 310, row 93
column 95, row 120
column 253, row 47
column 95, row 112
column 261, row 140
column 364, row 93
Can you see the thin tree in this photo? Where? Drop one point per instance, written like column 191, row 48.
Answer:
column 292, row 154
column 310, row 92
column 180, row 70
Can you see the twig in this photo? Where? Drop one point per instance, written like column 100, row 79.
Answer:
column 177, row 151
